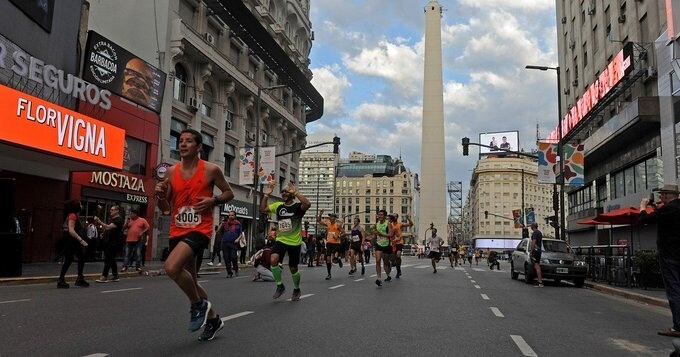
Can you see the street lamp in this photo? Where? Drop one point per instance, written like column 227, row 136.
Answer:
column 256, row 179
column 560, row 149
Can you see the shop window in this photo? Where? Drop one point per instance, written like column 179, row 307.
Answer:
column 207, row 100
column 229, row 157
column 179, row 87
column 134, row 160
column 207, row 147
column 176, row 128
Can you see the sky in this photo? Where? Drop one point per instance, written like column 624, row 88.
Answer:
column 367, row 60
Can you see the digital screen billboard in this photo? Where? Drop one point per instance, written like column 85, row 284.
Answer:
column 508, row 140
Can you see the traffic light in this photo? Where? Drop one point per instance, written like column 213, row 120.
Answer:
column 466, row 144
column 336, row 145
column 486, row 214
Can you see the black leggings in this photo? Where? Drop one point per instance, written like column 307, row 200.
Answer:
column 230, row 258
column 243, row 255
column 71, row 248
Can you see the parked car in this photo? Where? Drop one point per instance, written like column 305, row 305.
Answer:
column 558, row 262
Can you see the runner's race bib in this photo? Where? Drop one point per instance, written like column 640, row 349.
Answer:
column 285, row 225
column 356, row 238
column 187, row 217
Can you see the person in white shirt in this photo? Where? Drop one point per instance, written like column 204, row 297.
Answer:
column 435, row 242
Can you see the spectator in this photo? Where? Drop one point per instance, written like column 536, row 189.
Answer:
column 73, row 244
column 113, row 242
column 217, row 247
column 536, row 248
column 262, row 263
column 136, row 227
column 230, row 231
column 243, row 247
column 311, row 250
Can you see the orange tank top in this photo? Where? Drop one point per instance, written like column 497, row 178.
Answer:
column 333, row 232
column 396, row 228
column 185, row 194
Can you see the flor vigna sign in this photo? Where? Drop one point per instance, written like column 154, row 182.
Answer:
column 611, row 76
column 35, row 123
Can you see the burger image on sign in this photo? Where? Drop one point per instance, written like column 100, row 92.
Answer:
column 137, row 81
column 103, row 62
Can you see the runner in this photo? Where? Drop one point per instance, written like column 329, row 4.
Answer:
column 435, row 242
column 453, row 253
column 398, row 239
column 356, row 246
column 478, row 254
column 334, row 232
column 289, row 237
column 469, row 254
column 382, row 233
column 187, row 194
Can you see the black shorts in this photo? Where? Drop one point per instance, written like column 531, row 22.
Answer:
column 196, row 241
column 332, row 248
column 399, row 248
column 536, row 256
column 356, row 247
column 293, row 253
column 384, row 250
column 434, row 255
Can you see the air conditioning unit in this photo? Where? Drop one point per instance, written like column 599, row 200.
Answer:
column 567, row 91
column 263, row 137
column 622, row 18
column 650, row 75
column 210, row 38
column 193, row 104
column 564, row 19
column 228, row 124
column 250, row 136
column 574, row 83
column 572, row 44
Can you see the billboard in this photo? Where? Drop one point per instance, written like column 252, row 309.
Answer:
column 508, row 140
column 267, row 165
column 547, row 162
column 112, row 67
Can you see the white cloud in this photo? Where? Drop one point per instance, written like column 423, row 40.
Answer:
column 332, row 84
column 528, row 5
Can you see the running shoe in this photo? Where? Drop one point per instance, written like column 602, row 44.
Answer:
column 62, row 284
column 123, row 270
column 212, row 326
column 328, row 277
column 351, row 272
column 279, row 291
column 102, row 279
column 115, row 279
column 199, row 314
column 434, row 271
column 340, row 263
column 81, row 282
column 230, row 275
column 378, row 282
column 210, row 263
column 398, row 275
column 296, row 295
column 388, row 279
column 363, row 270
column 219, row 264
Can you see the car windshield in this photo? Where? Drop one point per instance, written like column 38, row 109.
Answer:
column 555, row 246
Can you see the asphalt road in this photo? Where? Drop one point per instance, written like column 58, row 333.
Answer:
column 470, row 312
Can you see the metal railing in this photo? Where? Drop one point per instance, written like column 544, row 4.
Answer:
column 612, row 264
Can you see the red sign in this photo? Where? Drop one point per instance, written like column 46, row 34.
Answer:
column 611, row 76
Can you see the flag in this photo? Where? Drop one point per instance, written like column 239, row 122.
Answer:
column 267, row 167
column 573, row 164
column 547, row 162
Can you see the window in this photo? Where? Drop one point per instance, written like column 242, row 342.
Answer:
column 640, row 177
column 596, row 40
column 134, row 159
column 179, row 86
column 229, row 120
column 207, row 147
column 619, row 188
column 206, row 102
column 282, row 177
column 585, row 55
column 176, row 127
column 629, row 180
column 229, row 157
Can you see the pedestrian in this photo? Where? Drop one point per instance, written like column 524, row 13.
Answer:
column 73, row 244
column 398, row 240
column 367, row 251
column 357, row 237
column 320, row 250
column 289, row 214
column 113, row 243
column 667, row 218
column 242, row 244
column 477, row 256
column 468, row 254
column 92, row 238
column 435, row 243
column 453, row 253
column 334, row 231
column 311, row 250
column 382, row 233
column 536, row 249
column 145, row 243
column 187, row 195
column 217, row 247
column 262, row 263
column 230, row 232
column 136, row 227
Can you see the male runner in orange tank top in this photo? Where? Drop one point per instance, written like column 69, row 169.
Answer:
column 187, row 194
column 334, row 231
column 398, row 239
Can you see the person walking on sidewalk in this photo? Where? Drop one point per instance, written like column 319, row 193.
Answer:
column 435, row 243
column 73, row 243
column 289, row 214
column 187, row 195
column 230, row 232
column 243, row 248
column 667, row 218
column 216, row 247
column 136, row 227
column 535, row 248
column 113, row 243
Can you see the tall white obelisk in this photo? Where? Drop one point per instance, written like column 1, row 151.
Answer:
column 432, row 162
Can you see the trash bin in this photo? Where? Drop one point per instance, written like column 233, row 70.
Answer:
column 10, row 254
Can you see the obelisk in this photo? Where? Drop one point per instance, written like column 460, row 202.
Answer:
column 432, row 161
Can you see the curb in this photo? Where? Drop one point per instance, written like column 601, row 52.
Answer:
column 31, row 280
column 628, row 295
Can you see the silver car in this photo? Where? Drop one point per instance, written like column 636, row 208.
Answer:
column 557, row 262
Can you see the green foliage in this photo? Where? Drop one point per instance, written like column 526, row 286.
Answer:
column 647, row 261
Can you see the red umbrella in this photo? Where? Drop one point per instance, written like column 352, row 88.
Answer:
column 627, row 215
column 592, row 222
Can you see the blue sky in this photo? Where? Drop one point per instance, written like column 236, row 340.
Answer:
column 367, row 63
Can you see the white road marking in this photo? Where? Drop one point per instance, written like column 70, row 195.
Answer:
column 203, row 281
column 442, row 268
column 119, row 290
column 303, row 296
column 359, row 279
column 335, row 287
column 11, row 301
column 422, row 266
column 497, row 312
column 97, row 355
column 407, row 265
column 472, row 281
column 523, row 346
column 477, row 269
column 477, row 287
column 235, row 316
column 485, row 297
column 241, row 277
column 373, row 276
column 369, row 265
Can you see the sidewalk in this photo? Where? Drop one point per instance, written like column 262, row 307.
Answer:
column 43, row 273
column 656, row 297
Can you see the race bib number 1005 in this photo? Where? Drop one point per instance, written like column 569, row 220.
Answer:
column 187, row 217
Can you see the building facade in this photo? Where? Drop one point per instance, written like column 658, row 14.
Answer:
column 316, row 178
column 215, row 71
column 609, row 90
column 496, row 188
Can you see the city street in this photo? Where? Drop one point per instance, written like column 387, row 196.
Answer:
column 454, row 312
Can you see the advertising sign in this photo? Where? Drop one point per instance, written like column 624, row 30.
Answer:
column 531, row 215
column 242, row 209
column 40, row 11
column 672, row 19
column 112, row 67
column 517, row 217
column 508, row 140
column 267, row 167
column 548, row 165
column 38, row 124
column 573, row 164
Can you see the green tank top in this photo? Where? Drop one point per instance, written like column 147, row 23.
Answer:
column 382, row 229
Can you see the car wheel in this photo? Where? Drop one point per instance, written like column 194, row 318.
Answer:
column 513, row 274
column 579, row 282
column 527, row 274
